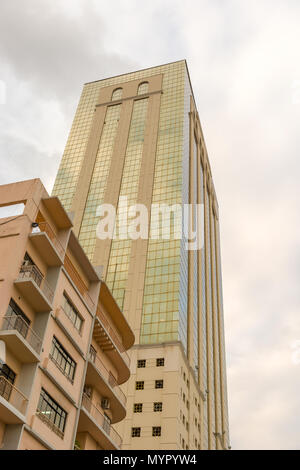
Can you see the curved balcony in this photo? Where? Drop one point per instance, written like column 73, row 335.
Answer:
column 102, row 379
column 21, row 339
column 34, row 288
column 13, row 404
column 93, row 421
column 109, row 342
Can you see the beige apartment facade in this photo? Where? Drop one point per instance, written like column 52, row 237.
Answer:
column 64, row 334
column 138, row 136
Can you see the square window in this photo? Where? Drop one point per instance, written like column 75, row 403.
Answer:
column 157, row 406
column 135, row 432
column 160, row 362
column 139, row 385
column 159, row 384
column 138, row 407
column 141, row 363
column 156, row 431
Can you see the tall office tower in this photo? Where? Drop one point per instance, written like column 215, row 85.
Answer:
column 138, row 135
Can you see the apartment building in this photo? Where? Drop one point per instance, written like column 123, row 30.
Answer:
column 65, row 336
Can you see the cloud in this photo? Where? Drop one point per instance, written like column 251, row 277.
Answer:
column 47, row 52
column 56, row 49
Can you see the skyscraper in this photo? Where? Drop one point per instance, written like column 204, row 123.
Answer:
column 139, row 135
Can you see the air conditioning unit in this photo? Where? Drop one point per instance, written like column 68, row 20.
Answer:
column 105, row 403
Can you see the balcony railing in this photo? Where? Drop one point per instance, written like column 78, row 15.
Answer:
column 76, row 278
column 32, row 272
column 45, row 227
column 108, row 377
column 16, row 322
column 114, row 336
column 101, row 420
column 11, row 394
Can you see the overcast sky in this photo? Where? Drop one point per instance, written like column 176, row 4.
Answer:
column 244, row 63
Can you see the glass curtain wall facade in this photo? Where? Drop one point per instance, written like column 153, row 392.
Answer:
column 181, row 297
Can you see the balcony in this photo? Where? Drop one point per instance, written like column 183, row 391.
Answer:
column 109, row 341
column 93, row 421
column 13, row 404
column 47, row 244
column 21, row 339
column 100, row 378
column 34, row 288
column 76, row 278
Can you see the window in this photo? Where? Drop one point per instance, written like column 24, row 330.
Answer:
column 135, row 432
column 62, row 359
column 72, row 313
column 50, row 412
column 141, row 363
column 183, row 397
column 139, row 385
column 159, row 384
column 157, row 406
column 188, row 383
column 7, row 377
column 143, row 88
column 117, row 94
column 138, row 407
column 188, row 404
column 156, row 431
column 15, row 319
column 160, row 362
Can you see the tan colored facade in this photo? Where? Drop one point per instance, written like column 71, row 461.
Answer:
column 139, row 135
column 65, row 336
